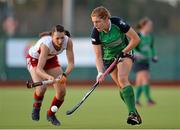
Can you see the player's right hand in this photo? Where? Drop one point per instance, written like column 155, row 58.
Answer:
column 63, row 79
column 99, row 77
column 50, row 78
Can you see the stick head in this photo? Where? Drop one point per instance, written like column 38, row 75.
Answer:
column 29, row 84
column 69, row 112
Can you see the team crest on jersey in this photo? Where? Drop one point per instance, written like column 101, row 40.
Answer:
column 93, row 39
column 122, row 22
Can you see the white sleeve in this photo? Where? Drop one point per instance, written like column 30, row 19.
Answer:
column 46, row 41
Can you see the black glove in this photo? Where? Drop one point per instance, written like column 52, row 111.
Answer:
column 120, row 56
column 155, row 59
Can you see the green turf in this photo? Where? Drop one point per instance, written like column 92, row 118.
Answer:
column 102, row 110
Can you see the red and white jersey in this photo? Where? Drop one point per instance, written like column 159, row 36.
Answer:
column 34, row 51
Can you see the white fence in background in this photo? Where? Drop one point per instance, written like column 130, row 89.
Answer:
column 16, row 50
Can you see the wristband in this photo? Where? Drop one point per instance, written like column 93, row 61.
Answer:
column 99, row 74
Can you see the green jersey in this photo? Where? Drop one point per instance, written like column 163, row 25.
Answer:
column 113, row 41
column 145, row 48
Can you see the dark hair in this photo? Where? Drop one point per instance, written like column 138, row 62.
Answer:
column 57, row 28
column 142, row 22
column 67, row 33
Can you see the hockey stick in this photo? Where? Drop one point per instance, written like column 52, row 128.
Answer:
column 31, row 84
column 108, row 70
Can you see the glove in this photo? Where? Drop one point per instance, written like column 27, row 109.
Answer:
column 99, row 76
column 155, row 59
column 120, row 56
column 63, row 79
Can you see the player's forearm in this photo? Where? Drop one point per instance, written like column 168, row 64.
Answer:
column 42, row 73
column 153, row 51
column 99, row 64
column 134, row 40
column 99, row 61
column 69, row 68
column 132, row 44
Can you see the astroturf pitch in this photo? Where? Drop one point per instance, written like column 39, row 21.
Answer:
column 103, row 109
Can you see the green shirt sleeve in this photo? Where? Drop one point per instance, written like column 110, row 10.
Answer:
column 153, row 51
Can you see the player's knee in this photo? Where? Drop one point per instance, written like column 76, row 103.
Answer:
column 40, row 90
column 123, row 81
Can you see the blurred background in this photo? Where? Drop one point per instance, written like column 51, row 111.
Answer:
column 21, row 21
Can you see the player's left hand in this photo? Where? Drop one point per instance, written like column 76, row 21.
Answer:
column 155, row 59
column 63, row 79
column 99, row 77
column 120, row 56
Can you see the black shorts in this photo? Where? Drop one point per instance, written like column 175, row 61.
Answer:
column 139, row 66
column 107, row 63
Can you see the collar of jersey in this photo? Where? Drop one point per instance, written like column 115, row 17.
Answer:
column 109, row 26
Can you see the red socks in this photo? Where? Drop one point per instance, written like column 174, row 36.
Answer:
column 56, row 103
column 37, row 100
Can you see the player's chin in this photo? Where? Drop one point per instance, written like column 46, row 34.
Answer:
column 100, row 30
column 59, row 45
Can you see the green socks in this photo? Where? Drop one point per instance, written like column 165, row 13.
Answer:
column 127, row 96
column 146, row 90
column 121, row 95
column 139, row 90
